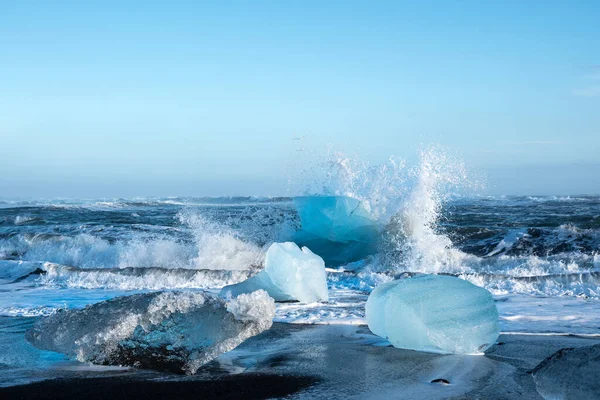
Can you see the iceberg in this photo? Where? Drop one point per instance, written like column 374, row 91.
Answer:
column 290, row 274
column 434, row 313
column 172, row 331
column 338, row 228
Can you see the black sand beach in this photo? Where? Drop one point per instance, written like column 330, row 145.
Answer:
column 247, row 386
column 323, row 361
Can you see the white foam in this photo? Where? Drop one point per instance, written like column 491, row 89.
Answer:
column 219, row 247
column 139, row 278
column 214, row 247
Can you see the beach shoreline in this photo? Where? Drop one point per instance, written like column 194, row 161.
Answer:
column 321, row 361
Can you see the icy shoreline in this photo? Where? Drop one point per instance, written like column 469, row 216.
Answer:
column 336, row 360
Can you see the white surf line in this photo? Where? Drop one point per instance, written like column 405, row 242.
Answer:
column 585, row 335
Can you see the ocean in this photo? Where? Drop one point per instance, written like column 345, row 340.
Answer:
column 538, row 255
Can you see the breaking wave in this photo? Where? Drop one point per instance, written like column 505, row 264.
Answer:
column 150, row 278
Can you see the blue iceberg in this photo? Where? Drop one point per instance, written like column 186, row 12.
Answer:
column 338, row 228
column 290, row 274
column 434, row 313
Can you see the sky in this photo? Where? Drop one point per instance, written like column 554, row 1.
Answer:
column 154, row 98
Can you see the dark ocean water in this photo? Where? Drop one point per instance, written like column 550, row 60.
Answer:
column 539, row 256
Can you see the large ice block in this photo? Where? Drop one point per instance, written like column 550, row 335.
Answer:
column 434, row 313
column 173, row 331
column 290, row 273
column 338, row 228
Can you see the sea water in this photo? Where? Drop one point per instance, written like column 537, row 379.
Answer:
column 539, row 256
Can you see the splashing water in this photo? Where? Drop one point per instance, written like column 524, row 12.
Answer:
column 218, row 246
column 407, row 200
column 379, row 187
column 424, row 248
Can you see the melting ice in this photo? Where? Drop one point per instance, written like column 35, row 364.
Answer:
column 290, row 273
column 434, row 313
column 175, row 331
column 338, row 228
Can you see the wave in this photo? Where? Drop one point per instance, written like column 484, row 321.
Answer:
column 561, row 198
column 118, row 203
column 11, row 271
column 206, row 246
column 564, row 239
column 140, row 278
column 579, row 284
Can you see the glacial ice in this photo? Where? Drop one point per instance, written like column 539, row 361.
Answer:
column 434, row 313
column 174, row 331
column 290, row 274
column 338, row 228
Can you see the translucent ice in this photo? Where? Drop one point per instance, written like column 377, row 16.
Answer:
column 434, row 313
column 338, row 228
column 175, row 331
column 290, row 273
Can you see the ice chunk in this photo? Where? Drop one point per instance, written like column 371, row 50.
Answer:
column 336, row 218
column 434, row 313
column 290, row 273
column 175, row 331
column 570, row 374
column 338, row 228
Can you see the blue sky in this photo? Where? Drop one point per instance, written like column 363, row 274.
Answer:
column 204, row 98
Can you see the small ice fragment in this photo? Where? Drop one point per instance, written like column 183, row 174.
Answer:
column 290, row 273
column 172, row 331
column 434, row 313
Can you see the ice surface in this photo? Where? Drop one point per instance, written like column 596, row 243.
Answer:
column 290, row 273
column 338, row 228
column 434, row 313
column 570, row 374
column 175, row 331
column 337, row 218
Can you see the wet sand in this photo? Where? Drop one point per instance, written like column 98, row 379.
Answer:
column 323, row 361
column 246, row 386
